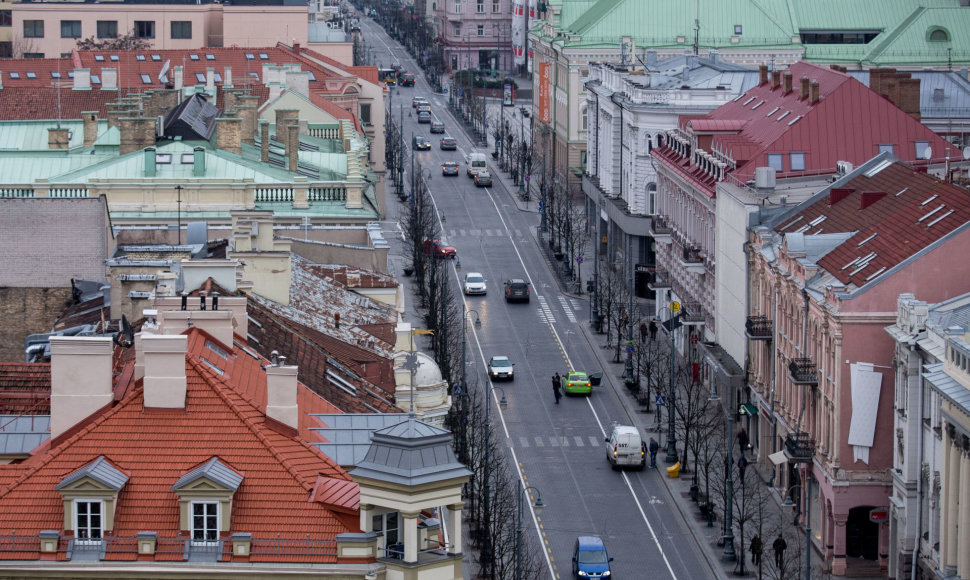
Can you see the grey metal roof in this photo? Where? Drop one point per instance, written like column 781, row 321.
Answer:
column 411, row 453
column 948, row 386
column 212, row 469
column 942, row 93
column 21, row 434
column 348, row 435
column 99, row 470
column 195, row 118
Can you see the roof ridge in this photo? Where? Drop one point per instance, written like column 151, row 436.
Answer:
column 895, row 33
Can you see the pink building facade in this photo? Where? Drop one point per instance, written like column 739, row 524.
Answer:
column 476, row 34
column 825, row 278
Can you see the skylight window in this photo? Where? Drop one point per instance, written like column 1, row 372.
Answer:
column 188, row 158
column 931, row 214
column 931, row 198
column 70, row 74
column 200, row 77
column 311, row 76
column 140, row 57
column 214, row 366
column 793, row 121
column 15, row 75
column 263, row 56
column 99, row 57
column 758, row 105
column 193, row 56
column 210, row 56
column 745, row 104
column 783, row 115
column 146, row 78
column 163, row 158
column 31, row 75
column 95, row 80
column 773, row 111
column 217, row 350
column 254, row 75
column 114, row 58
column 157, row 57
column 217, row 77
column 869, row 239
column 878, row 167
column 250, row 56
column 55, row 74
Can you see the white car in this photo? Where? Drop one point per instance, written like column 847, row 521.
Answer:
column 474, row 283
column 500, row 367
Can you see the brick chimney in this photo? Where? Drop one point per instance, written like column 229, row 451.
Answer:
column 281, row 115
column 281, row 391
column 90, row 120
column 164, row 381
column 228, row 136
column 775, row 79
column 109, row 79
column 248, row 113
column 803, row 89
column 787, row 82
column 58, row 138
column 909, row 97
column 762, row 74
column 81, row 379
column 115, row 111
column 82, row 79
column 813, row 95
column 264, row 141
column 136, row 133
column 293, row 143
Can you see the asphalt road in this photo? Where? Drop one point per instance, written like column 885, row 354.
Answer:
column 559, row 449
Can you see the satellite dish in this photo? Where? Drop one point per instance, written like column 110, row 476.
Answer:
column 161, row 75
column 928, row 152
column 125, row 337
column 966, row 152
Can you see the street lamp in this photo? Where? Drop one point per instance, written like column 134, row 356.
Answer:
column 671, row 456
column 630, row 380
column 729, row 554
column 808, row 521
column 538, row 505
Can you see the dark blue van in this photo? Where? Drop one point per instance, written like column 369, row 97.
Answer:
column 590, row 560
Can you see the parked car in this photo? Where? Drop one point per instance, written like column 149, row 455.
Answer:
column 439, row 249
column 483, row 179
column 590, row 559
column 625, row 448
column 474, row 283
column 516, row 290
column 437, row 127
column 500, row 368
column 407, row 80
column 421, row 143
column 449, row 144
column 576, row 383
column 449, row 168
column 424, row 117
column 419, row 101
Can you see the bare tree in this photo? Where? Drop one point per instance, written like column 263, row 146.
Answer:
column 128, row 41
column 21, row 46
column 693, row 403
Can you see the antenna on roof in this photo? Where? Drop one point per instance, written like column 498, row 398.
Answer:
column 125, row 337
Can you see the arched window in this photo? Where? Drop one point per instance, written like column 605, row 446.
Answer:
column 583, row 118
column 937, row 34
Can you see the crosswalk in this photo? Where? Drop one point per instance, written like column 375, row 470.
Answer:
column 560, row 441
column 458, row 233
column 569, row 312
column 545, row 312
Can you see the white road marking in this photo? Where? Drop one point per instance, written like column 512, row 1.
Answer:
column 593, row 441
column 523, row 442
column 569, row 313
column 577, row 305
column 578, row 440
column 539, row 443
column 545, row 313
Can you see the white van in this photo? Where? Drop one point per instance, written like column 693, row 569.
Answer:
column 476, row 163
column 625, row 448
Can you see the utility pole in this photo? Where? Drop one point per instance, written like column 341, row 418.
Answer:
column 522, row 156
column 179, row 188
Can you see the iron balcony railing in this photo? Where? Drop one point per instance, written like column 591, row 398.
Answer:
column 692, row 255
column 799, row 447
column 802, row 371
column 758, row 328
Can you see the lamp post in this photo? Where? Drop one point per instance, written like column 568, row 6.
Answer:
column 522, row 154
column 538, row 505
column 729, row 554
column 671, row 403
column 630, row 380
column 808, row 521
column 487, row 548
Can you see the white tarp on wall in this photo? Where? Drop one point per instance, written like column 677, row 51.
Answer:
column 866, row 383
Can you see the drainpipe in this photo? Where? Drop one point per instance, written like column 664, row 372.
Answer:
column 801, row 412
column 774, row 352
column 919, row 478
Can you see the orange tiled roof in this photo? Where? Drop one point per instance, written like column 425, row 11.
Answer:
column 25, row 388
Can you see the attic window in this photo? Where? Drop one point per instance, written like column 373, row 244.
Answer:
column 70, row 74
column 263, row 56
column 200, row 77
column 254, row 75
column 737, row 29
column 188, row 158
column 310, row 75
column 55, row 74
column 210, row 56
column 745, row 104
column 213, row 365
column 31, row 75
column 217, row 350
column 937, row 34
column 163, row 158
column 140, row 57
column 758, row 105
column 146, row 79
column 250, row 56
column 193, row 56
column 99, row 57
column 95, row 80
column 15, row 75
column 114, row 58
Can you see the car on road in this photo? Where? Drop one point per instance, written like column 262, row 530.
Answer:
column 576, row 383
column 439, row 249
column 625, row 448
column 437, row 127
column 449, row 168
column 407, row 80
column 590, row 559
column 476, row 163
column 500, row 368
column 419, row 101
column 449, row 144
column 421, row 143
column 516, row 290
column 424, row 117
column 483, row 179
column 474, row 283
column 424, row 107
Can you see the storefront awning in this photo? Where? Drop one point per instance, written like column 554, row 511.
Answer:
column 778, row 458
column 748, row 409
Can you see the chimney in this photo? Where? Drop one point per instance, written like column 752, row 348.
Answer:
column 813, row 92
column 298, row 81
column 210, row 78
column 58, row 138
column 82, row 79
column 90, row 120
column 870, row 197
column 164, row 381
column 1, row 80
column 150, row 168
column 713, row 56
column 293, row 144
column 81, row 379
column 909, row 97
column 652, row 59
column 281, row 390
column 775, row 79
column 264, row 141
column 296, row 46
column 109, row 79
column 248, row 131
column 136, row 133
column 762, row 74
column 228, row 136
column 198, row 162
column 227, row 77
column 803, row 88
column 281, row 116
column 275, row 90
column 786, row 79
column 178, row 75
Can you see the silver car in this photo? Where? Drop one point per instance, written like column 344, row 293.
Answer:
column 474, row 283
column 500, row 368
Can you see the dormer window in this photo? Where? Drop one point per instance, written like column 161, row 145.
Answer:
column 88, row 520
column 205, row 500
column 90, row 495
column 205, row 522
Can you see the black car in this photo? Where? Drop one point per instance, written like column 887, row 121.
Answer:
column 449, row 144
column 449, row 168
column 407, row 80
column 516, row 290
column 421, row 143
column 437, row 127
column 424, row 117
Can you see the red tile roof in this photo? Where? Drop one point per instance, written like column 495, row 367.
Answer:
column 895, row 214
column 281, row 472
column 25, row 388
column 25, row 102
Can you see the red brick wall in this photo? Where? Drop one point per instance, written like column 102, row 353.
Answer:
column 26, row 311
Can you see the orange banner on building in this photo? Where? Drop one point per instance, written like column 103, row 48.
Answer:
column 544, row 92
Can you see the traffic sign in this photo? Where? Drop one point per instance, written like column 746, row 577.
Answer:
column 527, row 179
column 579, row 259
column 660, row 401
column 675, row 306
column 629, row 350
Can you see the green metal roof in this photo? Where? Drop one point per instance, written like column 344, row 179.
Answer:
column 23, row 168
column 33, row 135
column 859, row 14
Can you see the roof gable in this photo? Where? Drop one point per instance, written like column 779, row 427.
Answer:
column 99, row 471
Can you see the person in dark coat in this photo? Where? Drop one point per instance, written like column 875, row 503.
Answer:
column 654, row 447
column 643, row 331
column 743, row 441
column 557, row 387
column 779, row 546
column 756, row 550
column 653, row 329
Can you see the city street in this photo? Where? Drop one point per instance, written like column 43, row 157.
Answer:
column 559, row 449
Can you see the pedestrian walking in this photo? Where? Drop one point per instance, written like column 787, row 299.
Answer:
column 756, row 550
column 557, row 387
column 779, row 546
column 653, row 329
column 643, row 331
column 743, row 442
column 654, row 447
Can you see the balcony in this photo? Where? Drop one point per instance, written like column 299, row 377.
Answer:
column 693, row 314
column 693, row 260
column 660, row 231
column 758, row 328
column 802, row 371
column 799, row 447
column 659, row 279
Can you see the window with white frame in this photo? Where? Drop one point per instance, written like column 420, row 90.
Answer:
column 481, row 30
column 205, row 521
column 480, row 7
column 458, row 7
column 386, row 526
column 88, row 520
column 584, row 118
column 887, row 149
column 775, row 160
column 921, row 147
column 457, row 30
column 496, row 6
